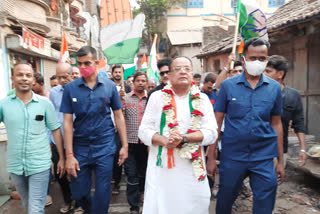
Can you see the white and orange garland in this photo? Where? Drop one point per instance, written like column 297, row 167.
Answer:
column 169, row 124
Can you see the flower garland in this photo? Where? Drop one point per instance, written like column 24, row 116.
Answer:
column 169, row 121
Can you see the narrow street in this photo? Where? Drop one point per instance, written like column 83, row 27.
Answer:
column 298, row 195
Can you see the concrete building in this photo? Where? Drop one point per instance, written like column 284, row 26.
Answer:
column 30, row 31
column 192, row 25
column 294, row 32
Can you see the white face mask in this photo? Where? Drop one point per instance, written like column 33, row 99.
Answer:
column 255, row 68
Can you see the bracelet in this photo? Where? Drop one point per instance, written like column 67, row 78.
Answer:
column 71, row 153
column 302, row 150
column 225, row 68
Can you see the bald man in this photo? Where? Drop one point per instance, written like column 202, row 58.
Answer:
column 64, row 75
column 151, row 84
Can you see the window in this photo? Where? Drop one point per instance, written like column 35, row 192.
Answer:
column 233, row 3
column 162, row 46
column 234, row 6
column 276, row 3
column 193, row 4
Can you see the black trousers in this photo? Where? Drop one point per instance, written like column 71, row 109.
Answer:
column 117, row 170
column 135, row 169
column 64, row 182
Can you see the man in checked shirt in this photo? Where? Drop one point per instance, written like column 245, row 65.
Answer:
column 136, row 164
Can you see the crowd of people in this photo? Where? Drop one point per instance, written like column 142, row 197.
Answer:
column 169, row 137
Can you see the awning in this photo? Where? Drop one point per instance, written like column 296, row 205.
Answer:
column 185, row 37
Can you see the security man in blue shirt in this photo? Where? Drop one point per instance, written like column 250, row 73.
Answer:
column 251, row 105
column 89, row 140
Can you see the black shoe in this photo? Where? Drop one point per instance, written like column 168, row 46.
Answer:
column 116, row 189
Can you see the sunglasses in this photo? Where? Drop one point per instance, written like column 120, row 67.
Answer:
column 163, row 73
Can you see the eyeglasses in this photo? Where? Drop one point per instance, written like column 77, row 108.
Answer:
column 163, row 73
column 186, row 69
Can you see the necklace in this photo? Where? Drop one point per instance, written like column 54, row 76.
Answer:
column 169, row 124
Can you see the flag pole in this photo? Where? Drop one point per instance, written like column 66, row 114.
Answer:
column 155, row 37
column 122, row 79
column 235, row 39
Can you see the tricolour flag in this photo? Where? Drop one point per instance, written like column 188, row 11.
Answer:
column 120, row 41
column 129, row 69
column 64, row 53
column 144, row 65
column 152, row 71
column 253, row 22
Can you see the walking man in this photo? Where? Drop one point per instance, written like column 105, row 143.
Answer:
column 151, row 84
column 117, row 74
column 208, row 85
column 136, row 164
column 89, row 140
column 75, row 73
column 177, row 123
column 163, row 66
column 38, row 86
column 53, row 81
column 117, row 77
column 64, row 76
column 27, row 116
column 251, row 105
column 197, row 79
column 277, row 69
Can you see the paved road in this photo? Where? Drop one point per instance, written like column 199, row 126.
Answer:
column 118, row 204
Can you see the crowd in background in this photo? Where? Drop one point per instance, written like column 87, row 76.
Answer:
column 90, row 123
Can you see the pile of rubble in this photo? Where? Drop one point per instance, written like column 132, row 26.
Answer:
column 300, row 193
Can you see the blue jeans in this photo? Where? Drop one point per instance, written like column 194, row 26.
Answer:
column 81, row 186
column 32, row 190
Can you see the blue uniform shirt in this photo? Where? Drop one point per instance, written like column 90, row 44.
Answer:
column 212, row 97
column 93, row 127
column 248, row 134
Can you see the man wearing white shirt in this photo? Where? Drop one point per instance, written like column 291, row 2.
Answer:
column 177, row 123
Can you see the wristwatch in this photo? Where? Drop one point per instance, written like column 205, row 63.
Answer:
column 184, row 139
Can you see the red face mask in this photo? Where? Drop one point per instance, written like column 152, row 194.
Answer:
column 87, row 72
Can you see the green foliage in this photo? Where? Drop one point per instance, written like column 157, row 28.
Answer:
column 135, row 12
column 154, row 10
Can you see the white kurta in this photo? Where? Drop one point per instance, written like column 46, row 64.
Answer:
column 176, row 190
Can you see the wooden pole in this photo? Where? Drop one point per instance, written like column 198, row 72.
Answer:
column 235, row 39
column 122, row 80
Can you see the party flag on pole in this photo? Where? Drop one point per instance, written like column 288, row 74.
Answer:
column 253, row 22
column 144, row 65
column 130, row 69
column 152, row 71
column 64, row 53
column 120, row 41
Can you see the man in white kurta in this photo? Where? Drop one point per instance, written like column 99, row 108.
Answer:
column 176, row 190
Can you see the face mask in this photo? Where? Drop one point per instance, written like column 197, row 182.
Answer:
column 255, row 68
column 87, row 72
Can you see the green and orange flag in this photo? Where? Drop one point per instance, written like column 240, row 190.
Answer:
column 253, row 22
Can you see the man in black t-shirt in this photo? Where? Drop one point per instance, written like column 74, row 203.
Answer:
column 277, row 68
